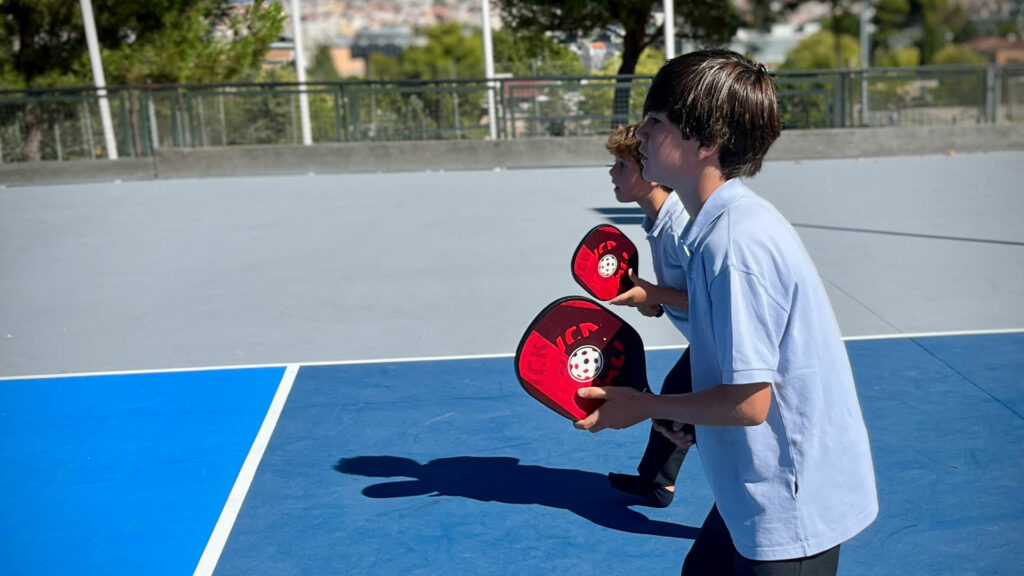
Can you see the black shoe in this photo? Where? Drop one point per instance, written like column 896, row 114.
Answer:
column 646, row 492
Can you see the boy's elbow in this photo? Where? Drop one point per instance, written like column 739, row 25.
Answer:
column 753, row 410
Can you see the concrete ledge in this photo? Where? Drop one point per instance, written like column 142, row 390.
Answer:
column 379, row 157
column 905, row 141
column 43, row 173
column 485, row 155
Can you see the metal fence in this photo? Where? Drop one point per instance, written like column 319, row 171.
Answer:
column 64, row 124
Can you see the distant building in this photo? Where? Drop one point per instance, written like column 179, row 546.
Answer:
column 345, row 64
column 280, row 53
column 999, row 50
column 388, row 41
column 593, row 55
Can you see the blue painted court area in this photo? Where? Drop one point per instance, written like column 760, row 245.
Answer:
column 122, row 474
column 448, row 467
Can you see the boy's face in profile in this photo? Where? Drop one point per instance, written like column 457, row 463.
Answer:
column 628, row 179
column 668, row 157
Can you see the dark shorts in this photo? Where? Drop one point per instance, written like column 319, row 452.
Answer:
column 713, row 554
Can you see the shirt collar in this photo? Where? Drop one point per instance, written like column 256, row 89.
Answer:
column 669, row 208
column 716, row 204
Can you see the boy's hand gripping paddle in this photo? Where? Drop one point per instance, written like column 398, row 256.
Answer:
column 574, row 343
column 601, row 262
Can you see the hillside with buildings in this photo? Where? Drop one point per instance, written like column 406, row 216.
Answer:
column 353, row 29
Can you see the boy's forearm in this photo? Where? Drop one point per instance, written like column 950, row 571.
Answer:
column 722, row 405
column 664, row 295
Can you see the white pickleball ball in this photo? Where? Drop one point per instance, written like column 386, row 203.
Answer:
column 585, row 363
column 607, row 265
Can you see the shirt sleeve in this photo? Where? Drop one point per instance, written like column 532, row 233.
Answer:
column 748, row 325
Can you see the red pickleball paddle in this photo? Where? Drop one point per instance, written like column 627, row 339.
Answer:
column 573, row 343
column 601, row 261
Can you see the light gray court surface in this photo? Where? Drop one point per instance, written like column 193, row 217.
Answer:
column 148, row 275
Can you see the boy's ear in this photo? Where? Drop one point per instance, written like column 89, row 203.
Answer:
column 707, row 150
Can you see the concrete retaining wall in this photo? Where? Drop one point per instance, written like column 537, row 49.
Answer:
column 476, row 155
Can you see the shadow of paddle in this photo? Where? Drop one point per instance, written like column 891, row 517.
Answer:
column 505, row 480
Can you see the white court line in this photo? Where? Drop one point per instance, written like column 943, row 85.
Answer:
column 461, row 357
column 219, row 537
column 933, row 334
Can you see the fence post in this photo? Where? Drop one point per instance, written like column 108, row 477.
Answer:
column 352, row 120
column 191, row 120
column 991, row 95
column 202, row 121
column 87, row 123
column 223, row 119
column 839, row 97
column 56, row 137
column 133, row 122
column 455, row 104
column 295, row 121
column 126, row 125
column 337, row 115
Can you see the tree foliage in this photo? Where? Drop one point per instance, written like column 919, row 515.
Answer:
column 42, row 42
column 817, row 52
column 43, row 45
column 452, row 51
column 708, row 22
column 928, row 25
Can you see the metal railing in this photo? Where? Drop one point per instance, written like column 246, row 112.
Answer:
column 64, row 124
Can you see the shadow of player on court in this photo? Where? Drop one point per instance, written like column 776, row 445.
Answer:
column 503, row 479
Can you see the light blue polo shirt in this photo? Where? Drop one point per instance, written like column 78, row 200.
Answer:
column 668, row 255
column 803, row 481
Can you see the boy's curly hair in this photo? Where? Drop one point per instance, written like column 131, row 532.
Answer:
column 622, row 142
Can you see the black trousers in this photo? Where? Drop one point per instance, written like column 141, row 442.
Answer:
column 713, row 554
column 662, row 458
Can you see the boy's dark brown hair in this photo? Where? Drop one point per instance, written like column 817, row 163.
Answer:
column 622, row 142
column 719, row 96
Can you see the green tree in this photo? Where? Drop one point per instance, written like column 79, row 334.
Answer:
column 709, row 22
column 805, row 105
column 322, row 69
column 43, row 45
column 817, row 52
column 532, row 53
column 448, row 51
column 903, row 58
column 958, row 54
column 451, row 51
column 929, row 25
column 959, row 88
column 600, row 100
column 842, row 23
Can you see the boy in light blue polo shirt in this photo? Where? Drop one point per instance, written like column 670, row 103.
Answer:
column 779, row 426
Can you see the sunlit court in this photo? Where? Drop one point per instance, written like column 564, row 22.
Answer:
column 313, row 374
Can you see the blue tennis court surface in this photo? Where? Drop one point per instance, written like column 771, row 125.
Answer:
column 122, row 474
column 447, row 467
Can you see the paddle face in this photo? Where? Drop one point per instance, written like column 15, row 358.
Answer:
column 573, row 343
column 601, row 262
